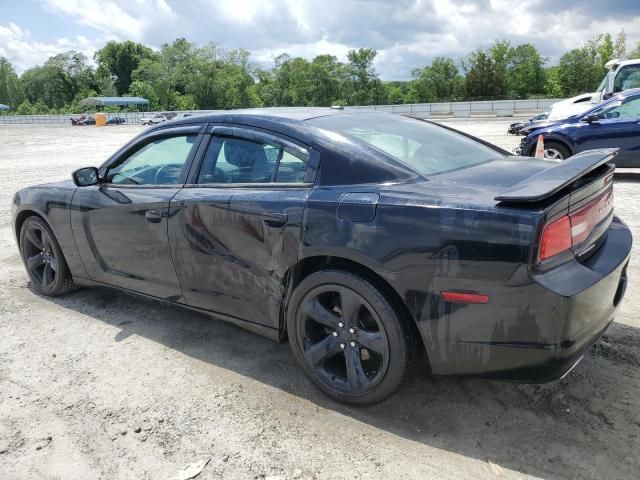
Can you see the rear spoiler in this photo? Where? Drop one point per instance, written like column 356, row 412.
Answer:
column 548, row 182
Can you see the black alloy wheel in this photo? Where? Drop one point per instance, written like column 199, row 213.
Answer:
column 348, row 337
column 43, row 258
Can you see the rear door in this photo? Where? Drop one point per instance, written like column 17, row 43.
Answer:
column 120, row 225
column 238, row 227
column 619, row 126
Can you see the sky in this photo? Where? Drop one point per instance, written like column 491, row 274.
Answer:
column 408, row 34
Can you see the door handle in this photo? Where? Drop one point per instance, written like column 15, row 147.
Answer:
column 276, row 220
column 153, row 216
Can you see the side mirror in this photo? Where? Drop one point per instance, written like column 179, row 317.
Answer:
column 591, row 118
column 85, row 177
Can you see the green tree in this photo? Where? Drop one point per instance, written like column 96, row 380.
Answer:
column 439, row 81
column 118, row 60
column 10, row 87
column 525, row 71
column 579, row 71
column 142, row 89
column 363, row 74
column 483, row 79
column 59, row 80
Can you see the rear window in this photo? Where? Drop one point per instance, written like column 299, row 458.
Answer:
column 425, row 148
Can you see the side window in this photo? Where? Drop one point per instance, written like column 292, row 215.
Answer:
column 157, row 163
column 238, row 160
column 630, row 109
column 627, row 77
column 291, row 169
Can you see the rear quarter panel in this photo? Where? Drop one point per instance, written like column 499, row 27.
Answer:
column 422, row 245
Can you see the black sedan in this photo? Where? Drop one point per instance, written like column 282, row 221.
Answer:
column 367, row 240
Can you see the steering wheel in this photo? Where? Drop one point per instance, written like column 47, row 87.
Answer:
column 157, row 175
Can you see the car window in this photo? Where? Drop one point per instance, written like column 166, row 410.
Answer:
column 291, row 169
column 238, row 160
column 627, row 77
column 157, row 163
column 426, row 148
column 620, row 110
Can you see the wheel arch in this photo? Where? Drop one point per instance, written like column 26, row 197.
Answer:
column 309, row 265
column 22, row 216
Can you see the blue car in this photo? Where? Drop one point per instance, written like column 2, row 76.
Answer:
column 614, row 123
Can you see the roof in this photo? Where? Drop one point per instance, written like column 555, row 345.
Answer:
column 4, row 107
column 114, row 101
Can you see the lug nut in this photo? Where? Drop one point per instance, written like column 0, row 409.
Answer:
column 335, row 334
column 340, row 324
column 352, row 330
column 342, row 345
column 353, row 344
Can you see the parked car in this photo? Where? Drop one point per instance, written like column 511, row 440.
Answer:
column 153, row 119
column 115, row 120
column 83, row 120
column 367, row 240
column 514, row 128
column 614, row 123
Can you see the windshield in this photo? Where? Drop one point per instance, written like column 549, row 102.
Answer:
column 426, row 148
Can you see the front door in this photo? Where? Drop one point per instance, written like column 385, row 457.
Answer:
column 120, row 225
column 238, row 227
column 618, row 126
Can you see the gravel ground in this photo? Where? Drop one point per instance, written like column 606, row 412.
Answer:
column 99, row 384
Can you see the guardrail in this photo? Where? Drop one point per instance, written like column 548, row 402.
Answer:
column 490, row 108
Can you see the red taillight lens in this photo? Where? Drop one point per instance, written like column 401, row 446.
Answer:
column 584, row 219
column 574, row 228
column 556, row 238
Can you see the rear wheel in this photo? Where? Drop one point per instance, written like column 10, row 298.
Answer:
column 348, row 337
column 43, row 258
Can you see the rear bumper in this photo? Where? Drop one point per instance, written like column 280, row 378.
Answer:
column 537, row 328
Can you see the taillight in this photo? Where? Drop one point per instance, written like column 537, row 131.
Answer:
column 556, row 238
column 574, row 228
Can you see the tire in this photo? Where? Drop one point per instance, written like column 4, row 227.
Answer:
column 43, row 258
column 363, row 372
column 556, row 151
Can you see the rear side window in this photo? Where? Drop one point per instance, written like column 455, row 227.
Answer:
column 425, row 148
column 239, row 160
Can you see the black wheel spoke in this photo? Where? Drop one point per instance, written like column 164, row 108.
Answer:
column 35, row 261
column 313, row 309
column 53, row 262
column 47, row 275
column 320, row 352
column 32, row 236
column 349, row 307
column 374, row 341
column 356, row 376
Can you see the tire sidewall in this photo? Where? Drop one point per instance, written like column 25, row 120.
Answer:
column 564, row 151
column 59, row 283
column 391, row 322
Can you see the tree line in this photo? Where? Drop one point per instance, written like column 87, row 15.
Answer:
column 183, row 76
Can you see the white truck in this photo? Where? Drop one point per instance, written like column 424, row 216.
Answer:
column 623, row 74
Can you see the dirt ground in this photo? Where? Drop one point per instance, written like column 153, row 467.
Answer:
column 100, row 384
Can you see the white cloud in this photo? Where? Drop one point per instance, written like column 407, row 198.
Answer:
column 407, row 33
column 18, row 45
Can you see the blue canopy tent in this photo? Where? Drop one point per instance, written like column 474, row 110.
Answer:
column 121, row 101
column 4, row 107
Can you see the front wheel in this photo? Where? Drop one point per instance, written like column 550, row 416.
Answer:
column 556, row 151
column 348, row 337
column 43, row 258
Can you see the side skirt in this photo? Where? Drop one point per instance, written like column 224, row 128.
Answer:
column 270, row 333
